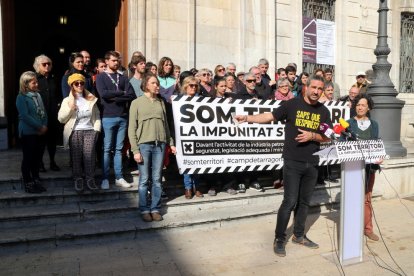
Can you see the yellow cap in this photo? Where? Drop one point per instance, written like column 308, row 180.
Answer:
column 75, row 77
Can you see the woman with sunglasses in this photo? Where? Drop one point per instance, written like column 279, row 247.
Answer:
column 205, row 77
column 76, row 65
column 80, row 114
column 148, row 134
column 191, row 181
column 32, row 125
column 219, row 72
column 283, row 92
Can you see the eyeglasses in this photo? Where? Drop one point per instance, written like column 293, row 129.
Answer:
column 250, row 81
column 45, row 63
column 360, row 76
column 192, row 85
column 220, row 70
column 283, row 86
column 79, row 83
column 206, row 74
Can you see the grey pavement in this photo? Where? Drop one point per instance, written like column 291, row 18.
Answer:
column 241, row 247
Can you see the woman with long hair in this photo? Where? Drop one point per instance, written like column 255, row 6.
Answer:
column 76, row 65
column 32, row 125
column 80, row 114
column 149, row 134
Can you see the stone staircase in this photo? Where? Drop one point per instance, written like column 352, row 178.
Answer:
column 61, row 216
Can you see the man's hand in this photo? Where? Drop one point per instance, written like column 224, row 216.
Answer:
column 304, row 136
column 240, row 118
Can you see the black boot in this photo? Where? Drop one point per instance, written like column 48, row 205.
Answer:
column 31, row 188
column 54, row 166
column 39, row 185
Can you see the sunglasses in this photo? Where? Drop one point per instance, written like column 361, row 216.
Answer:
column 46, row 63
column 193, row 85
column 220, row 70
column 360, row 76
column 250, row 81
column 79, row 83
column 206, row 74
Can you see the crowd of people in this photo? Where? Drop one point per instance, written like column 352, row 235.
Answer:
column 99, row 104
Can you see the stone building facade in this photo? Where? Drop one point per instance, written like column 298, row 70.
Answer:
column 204, row 33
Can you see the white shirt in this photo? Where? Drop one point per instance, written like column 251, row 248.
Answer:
column 83, row 115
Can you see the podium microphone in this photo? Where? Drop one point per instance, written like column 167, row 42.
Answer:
column 346, row 131
column 327, row 131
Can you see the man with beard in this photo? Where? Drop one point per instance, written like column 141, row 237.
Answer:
column 302, row 115
column 115, row 92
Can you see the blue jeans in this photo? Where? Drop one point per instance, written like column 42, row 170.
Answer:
column 191, row 180
column 299, row 182
column 153, row 156
column 114, row 134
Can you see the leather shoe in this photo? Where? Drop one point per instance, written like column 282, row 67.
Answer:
column 199, row 194
column 54, row 167
column 372, row 236
column 146, row 217
column 156, row 216
column 188, row 194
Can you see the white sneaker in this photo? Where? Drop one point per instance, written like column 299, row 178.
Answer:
column 105, row 184
column 122, row 183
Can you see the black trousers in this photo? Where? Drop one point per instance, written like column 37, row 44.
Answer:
column 32, row 156
column 299, row 183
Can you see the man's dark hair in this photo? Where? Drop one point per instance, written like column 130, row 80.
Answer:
column 315, row 77
column 111, row 53
column 328, row 70
column 280, row 70
column 183, row 75
column 290, row 69
column 137, row 59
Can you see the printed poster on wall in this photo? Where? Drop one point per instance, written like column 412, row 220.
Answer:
column 318, row 41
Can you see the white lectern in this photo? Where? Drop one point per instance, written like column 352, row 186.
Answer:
column 353, row 155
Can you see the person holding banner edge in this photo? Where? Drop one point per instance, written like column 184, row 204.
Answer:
column 302, row 138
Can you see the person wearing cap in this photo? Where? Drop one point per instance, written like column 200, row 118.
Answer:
column 80, row 114
column 362, row 82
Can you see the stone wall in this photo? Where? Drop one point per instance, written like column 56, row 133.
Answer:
column 204, row 33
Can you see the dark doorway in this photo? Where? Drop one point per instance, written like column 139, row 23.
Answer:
column 90, row 25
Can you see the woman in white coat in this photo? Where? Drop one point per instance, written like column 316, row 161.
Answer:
column 80, row 114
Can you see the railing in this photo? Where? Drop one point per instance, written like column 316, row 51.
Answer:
column 407, row 53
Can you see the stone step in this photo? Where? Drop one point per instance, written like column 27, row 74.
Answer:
column 84, row 220
column 62, row 195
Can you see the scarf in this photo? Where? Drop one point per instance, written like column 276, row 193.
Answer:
column 37, row 99
column 281, row 97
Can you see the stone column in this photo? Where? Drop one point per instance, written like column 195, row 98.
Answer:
column 387, row 109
